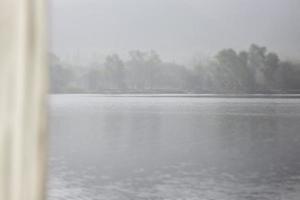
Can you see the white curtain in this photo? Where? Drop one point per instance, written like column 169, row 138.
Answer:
column 23, row 88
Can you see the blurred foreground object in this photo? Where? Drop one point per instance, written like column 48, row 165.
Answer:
column 23, row 75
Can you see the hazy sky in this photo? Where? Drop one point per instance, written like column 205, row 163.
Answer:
column 177, row 29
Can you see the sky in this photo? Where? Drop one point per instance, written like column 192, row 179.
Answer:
column 179, row 30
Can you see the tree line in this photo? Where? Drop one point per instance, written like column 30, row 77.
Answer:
column 255, row 70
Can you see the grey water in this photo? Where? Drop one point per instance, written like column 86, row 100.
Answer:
column 173, row 147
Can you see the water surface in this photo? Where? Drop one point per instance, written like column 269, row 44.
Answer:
column 177, row 147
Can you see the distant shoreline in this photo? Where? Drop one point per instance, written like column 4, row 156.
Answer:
column 295, row 96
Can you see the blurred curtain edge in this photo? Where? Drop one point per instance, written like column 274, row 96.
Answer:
column 23, row 95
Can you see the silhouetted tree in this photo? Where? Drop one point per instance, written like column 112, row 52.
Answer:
column 60, row 76
column 115, row 72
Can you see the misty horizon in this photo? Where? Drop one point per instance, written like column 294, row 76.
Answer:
column 174, row 99
column 250, row 71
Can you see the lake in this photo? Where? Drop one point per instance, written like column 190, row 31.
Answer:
column 173, row 147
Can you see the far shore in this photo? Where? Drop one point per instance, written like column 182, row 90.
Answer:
column 191, row 95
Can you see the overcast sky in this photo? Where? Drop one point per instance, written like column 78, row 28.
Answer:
column 177, row 29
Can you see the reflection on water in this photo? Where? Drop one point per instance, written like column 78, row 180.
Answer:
column 174, row 148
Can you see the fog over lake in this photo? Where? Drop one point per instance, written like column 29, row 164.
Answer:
column 174, row 100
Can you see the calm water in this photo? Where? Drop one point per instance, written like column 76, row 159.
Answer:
column 106, row 147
